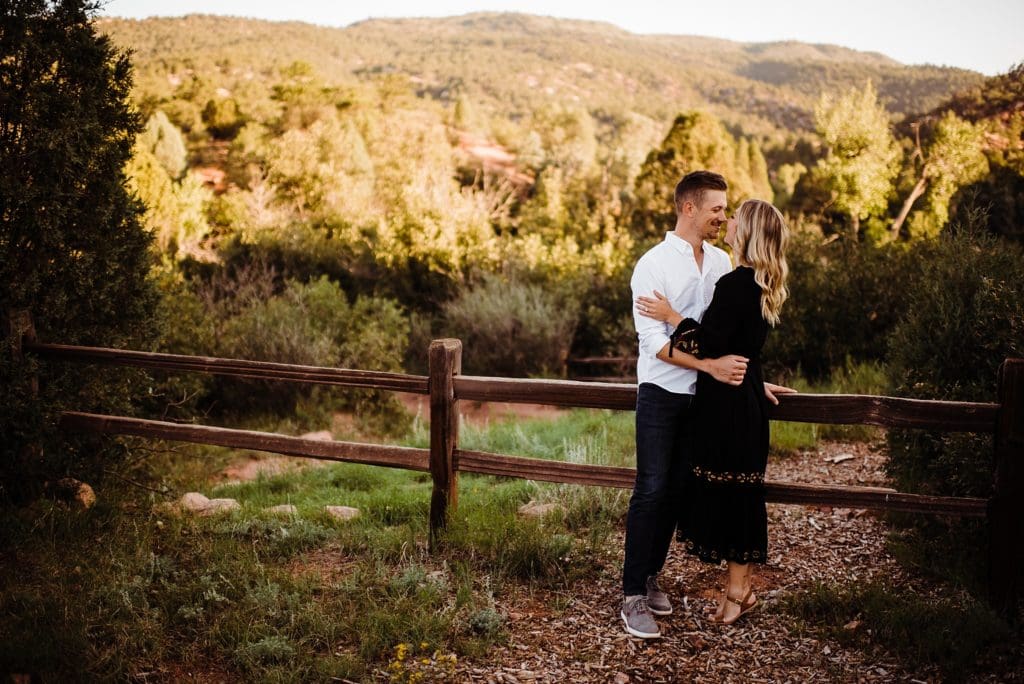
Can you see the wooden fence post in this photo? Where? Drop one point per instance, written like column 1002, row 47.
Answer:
column 445, row 361
column 1006, row 508
column 20, row 329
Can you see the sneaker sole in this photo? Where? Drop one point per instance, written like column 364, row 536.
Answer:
column 660, row 612
column 636, row 632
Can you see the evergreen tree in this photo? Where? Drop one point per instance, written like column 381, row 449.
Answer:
column 72, row 250
column 696, row 141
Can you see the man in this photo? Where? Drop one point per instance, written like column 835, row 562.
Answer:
column 684, row 267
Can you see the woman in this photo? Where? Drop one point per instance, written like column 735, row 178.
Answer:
column 723, row 515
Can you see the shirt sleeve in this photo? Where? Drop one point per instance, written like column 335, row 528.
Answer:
column 653, row 335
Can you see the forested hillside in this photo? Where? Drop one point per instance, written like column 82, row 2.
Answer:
column 511, row 64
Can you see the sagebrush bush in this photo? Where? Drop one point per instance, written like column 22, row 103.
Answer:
column 511, row 329
column 965, row 315
column 844, row 300
column 311, row 324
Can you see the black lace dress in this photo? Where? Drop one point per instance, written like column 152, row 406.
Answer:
column 722, row 512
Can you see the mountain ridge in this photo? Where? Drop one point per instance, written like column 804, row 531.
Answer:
column 513, row 62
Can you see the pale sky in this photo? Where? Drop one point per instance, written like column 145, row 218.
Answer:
column 983, row 35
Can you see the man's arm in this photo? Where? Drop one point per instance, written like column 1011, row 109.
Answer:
column 729, row 369
column 654, row 338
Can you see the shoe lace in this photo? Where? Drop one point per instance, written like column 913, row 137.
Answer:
column 640, row 605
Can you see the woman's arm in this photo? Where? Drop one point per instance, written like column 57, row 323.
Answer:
column 726, row 368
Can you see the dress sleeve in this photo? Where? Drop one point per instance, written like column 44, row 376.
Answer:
column 721, row 320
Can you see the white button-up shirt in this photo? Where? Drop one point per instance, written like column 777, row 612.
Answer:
column 670, row 268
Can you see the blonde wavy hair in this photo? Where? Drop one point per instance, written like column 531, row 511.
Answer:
column 761, row 237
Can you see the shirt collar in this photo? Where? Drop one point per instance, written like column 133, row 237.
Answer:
column 681, row 245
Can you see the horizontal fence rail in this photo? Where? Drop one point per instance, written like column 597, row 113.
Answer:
column 839, row 409
column 484, row 463
column 408, row 458
column 843, row 409
column 238, row 368
column 776, row 492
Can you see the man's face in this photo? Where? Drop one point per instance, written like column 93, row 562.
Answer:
column 710, row 214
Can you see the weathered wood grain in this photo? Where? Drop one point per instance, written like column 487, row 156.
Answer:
column 352, row 452
column 776, row 492
column 239, row 368
column 445, row 361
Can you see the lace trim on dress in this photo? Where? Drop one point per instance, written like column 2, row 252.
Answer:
column 713, row 555
column 738, row 478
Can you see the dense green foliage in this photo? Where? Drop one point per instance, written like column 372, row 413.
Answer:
column 72, row 249
column 965, row 315
column 844, row 300
column 511, row 328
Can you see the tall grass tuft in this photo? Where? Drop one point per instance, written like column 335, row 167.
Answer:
column 949, row 634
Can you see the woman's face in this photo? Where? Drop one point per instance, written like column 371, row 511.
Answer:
column 730, row 232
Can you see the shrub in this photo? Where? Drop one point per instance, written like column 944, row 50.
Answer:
column 314, row 324
column 511, row 329
column 965, row 315
column 844, row 299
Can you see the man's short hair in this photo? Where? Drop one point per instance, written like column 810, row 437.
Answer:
column 693, row 186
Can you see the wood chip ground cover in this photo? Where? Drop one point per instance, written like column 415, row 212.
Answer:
column 576, row 636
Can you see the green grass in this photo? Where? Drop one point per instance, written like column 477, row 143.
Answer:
column 956, row 635
column 598, row 435
column 121, row 590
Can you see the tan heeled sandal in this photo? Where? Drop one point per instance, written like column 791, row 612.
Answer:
column 745, row 604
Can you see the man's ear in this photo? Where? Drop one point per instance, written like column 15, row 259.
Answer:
column 689, row 208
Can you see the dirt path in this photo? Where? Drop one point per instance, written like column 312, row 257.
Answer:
column 556, row 636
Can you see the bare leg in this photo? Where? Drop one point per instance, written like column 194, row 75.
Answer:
column 737, row 587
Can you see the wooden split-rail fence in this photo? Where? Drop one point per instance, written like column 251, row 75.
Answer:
column 446, row 386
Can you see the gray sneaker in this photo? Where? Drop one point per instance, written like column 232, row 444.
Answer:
column 656, row 598
column 638, row 617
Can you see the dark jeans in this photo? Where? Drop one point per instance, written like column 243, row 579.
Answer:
column 663, row 425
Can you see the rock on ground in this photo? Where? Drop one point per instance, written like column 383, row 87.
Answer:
column 539, row 510
column 342, row 512
column 194, row 502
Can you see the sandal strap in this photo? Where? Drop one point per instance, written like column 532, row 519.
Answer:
column 739, row 602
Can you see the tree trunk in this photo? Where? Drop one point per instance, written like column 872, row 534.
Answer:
column 918, row 190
